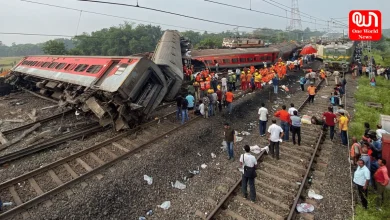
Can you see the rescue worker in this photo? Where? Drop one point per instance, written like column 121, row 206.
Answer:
column 248, row 80
column 323, row 76
column 336, row 75
column 196, row 88
column 229, row 100
column 202, row 88
column 312, row 92
column 258, row 80
column 243, row 81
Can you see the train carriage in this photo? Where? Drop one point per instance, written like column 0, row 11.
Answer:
column 119, row 90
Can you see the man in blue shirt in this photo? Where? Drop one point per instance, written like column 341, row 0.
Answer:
column 302, row 82
column 190, row 98
column 275, row 82
column 361, row 179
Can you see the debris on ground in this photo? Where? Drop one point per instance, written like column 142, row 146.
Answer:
column 14, row 120
column 213, row 155
column 43, row 134
column 148, row 179
column 178, row 185
column 245, row 133
column 238, row 139
column 312, row 194
column 203, row 166
column 255, row 149
column 165, row 205
column 305, row 207
column 306, row 119
column 3, row 139
column 19, row 138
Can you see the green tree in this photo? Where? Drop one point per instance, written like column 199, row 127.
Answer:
column 53, row 47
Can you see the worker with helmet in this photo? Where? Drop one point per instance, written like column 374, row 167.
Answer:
column 323, row 76
column 258, row 80
column 243, row 81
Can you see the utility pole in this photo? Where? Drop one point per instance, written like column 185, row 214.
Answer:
column 295, row 21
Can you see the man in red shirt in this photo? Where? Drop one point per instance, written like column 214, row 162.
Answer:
column 284, row 117
column 329, row 119
column 381, row 177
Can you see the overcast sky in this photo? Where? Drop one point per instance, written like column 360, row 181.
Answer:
column 23, row 17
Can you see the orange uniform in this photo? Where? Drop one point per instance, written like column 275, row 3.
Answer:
column 311, row 90
column 229, row 97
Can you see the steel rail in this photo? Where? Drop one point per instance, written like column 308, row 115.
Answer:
column 44, row 120
column 292, row 213
column 83, row 131
column 45, row 196
column 236, row 185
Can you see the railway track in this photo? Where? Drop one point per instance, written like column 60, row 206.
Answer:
column 42, row 183
column 282, row 184
column 29, row 125
column 55, row 141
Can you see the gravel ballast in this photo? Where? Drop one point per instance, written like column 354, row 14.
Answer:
column 123, row 194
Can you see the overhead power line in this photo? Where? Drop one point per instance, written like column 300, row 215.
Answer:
column 316, row 18
column 169, row 12
column 252, row 10
column 114, row 16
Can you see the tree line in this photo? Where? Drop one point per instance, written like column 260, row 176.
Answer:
column 127, row 39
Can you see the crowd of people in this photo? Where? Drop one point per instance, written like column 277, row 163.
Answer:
column 210, row 91
column 371, row 171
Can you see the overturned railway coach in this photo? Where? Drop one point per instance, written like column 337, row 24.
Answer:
column 118, row 90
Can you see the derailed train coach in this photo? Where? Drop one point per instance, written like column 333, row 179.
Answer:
column 118, row 90
column 122, row 91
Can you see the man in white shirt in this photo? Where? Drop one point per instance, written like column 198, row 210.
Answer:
column 336, row 75
column 217, row 67
column 292, row 109
column 380, row 132
column 275, row 133
column 263, row 118
column 224, row 84
column 238, row 73
column 361, row 178
column 249, row 163
column 201, row 108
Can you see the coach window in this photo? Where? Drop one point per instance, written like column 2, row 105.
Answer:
column 242, row 60
column 208, row 61
column 70, row 67
column 94, row 69
column 235, row 60
column 81, row 68
column 268, row 58
column 45, row 64
column 121, row 69
column 226, row 61
column 250, row 59
column 60, row 66
column 52, row 65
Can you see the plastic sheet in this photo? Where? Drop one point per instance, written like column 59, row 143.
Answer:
column 148, row 179
column 165, row 205
column 312, row 194
column 305, row 207
column 178, row 185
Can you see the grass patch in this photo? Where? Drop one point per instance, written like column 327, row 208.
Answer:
column 379, row 94
column 7, row 62
column 367, row 93
column 371, row 213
